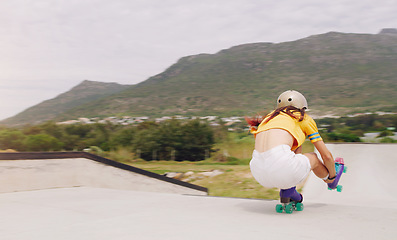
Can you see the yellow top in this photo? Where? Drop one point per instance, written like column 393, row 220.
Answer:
column 299, row 130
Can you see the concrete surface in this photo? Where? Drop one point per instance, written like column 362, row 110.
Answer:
column 27, row 175
column 370, row 179
column 366, row 209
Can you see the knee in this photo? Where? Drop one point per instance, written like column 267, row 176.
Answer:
column 314, row 160
column 312, row 154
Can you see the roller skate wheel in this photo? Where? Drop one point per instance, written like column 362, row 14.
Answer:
column 299, row 207
column 345, row 169
column 289, row 208
column 339, row 188
column 279, row 208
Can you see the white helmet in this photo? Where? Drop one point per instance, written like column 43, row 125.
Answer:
column 292, row 98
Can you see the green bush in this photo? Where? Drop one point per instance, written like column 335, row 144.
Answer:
column 342, row 137
column 388, row 140
column 11, row 139
column 385, row 133
column 42, row 142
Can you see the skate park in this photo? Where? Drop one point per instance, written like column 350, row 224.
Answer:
column 81, row 196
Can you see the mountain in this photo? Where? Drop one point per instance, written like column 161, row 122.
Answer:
column 337, row 72
column 86, row 91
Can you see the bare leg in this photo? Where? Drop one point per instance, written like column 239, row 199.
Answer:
column 318, row 167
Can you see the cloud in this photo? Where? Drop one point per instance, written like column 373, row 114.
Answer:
column 66, row 41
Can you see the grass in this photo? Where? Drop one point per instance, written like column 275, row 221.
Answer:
column 236, row 179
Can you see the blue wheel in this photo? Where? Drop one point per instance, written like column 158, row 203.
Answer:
column 339, row 188
column 345, row 169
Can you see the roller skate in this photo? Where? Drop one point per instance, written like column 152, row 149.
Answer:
column 290, row 200
column 340, row 168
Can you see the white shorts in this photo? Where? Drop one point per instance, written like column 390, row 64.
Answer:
column 279, row 167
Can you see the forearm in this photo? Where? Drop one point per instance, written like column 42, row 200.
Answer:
column 329, row 164
column 327, row 157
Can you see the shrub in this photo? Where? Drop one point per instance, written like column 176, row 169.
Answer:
column 42, row 142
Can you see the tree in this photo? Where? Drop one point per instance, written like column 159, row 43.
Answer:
column 72, row 142
column 11, row 139
column 51, row 128
column 174, row 140
column 198, row 139
column 80, row 130
column 170, row 139
column 42, row 142
column 342, row 137
column 122, row 138
column 146, row 144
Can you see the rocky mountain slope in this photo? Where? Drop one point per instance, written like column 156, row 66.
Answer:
column 85, row 92
column 337, row 72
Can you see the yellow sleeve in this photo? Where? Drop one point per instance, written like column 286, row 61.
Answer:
column 310, row 130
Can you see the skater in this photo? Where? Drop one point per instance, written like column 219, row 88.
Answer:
column 277, row 160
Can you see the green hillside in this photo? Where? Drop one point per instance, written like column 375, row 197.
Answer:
column 87, row 91
column 337, row 72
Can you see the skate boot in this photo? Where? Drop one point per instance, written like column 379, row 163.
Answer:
column 340, row 168
column 290, row 200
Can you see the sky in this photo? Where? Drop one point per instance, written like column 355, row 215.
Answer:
column 50, row 46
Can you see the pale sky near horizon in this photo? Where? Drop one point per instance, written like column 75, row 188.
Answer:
column 50, row 46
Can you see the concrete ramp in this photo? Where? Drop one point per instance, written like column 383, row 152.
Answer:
column 370, row 179
column 365, row 210
column 38, row 171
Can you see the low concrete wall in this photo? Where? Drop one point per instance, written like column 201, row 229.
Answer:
column 35, row 174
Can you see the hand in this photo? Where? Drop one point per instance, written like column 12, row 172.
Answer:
column 330, row 180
